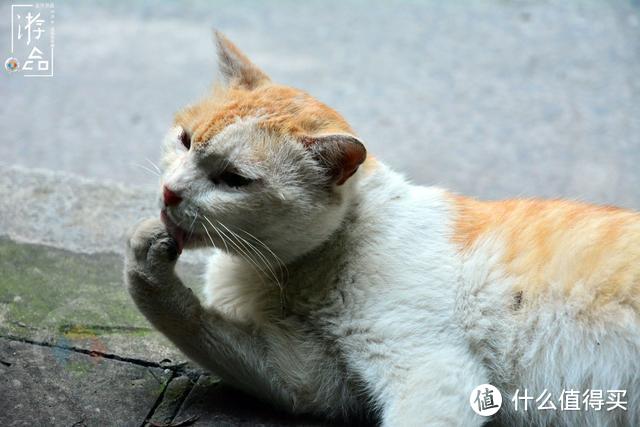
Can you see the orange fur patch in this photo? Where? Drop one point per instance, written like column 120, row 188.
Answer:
column 281, row 109
column 569, row 247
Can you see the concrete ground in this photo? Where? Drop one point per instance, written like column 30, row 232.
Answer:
column 73, row 348
column 492, row 99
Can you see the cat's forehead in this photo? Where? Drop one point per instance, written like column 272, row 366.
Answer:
column 275, row 108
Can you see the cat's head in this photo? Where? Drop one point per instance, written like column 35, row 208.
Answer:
column 255, row 162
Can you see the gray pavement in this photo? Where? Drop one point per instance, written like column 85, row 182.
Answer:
column 74, row 350
column 491, row 98
column 32, row 398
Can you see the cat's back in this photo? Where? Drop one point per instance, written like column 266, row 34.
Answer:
column 550, row 297
column 555, row 248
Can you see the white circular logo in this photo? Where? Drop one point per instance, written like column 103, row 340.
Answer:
column 11, row 65
column 485, row 400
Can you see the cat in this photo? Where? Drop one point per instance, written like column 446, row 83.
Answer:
column 342, row 290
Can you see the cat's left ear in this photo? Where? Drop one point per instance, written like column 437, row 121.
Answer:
column 236, row 68
column 340, row 154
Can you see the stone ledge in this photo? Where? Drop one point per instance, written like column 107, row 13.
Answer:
column 74, row 350
column 74, row 300
column 73, row 213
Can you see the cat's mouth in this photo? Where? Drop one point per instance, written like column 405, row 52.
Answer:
column 175, row 230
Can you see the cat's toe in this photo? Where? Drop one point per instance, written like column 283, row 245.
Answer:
column 143, row 236
column 164, row 248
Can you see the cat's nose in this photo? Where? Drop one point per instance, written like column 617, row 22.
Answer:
column 170, row 197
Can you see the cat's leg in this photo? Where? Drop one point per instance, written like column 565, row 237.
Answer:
column 271, row 362
column 435, row 391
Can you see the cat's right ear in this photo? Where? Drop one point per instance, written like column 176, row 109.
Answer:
column 340, row 154
column 235, row 67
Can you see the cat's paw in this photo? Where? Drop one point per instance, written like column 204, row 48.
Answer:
column 150, row 246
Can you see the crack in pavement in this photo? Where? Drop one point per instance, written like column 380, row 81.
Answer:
column 158, row 400
column 183, row 397
column 177, row 370
column 180, row 367
column 193, row 377
column 79, row 328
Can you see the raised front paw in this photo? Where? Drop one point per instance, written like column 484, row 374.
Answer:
column 150, row 247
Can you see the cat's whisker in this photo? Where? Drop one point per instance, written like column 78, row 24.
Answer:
column 208, row 235
column 284, row 271
column 214, row 228
column 193, row 223
column 267, row 264
column 235, row 242
column 154, row 165
column 147, row 169
column 251, row 247
column 243, row 254
column 226, row 163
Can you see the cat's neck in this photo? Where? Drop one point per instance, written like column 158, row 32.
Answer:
column 368, row 193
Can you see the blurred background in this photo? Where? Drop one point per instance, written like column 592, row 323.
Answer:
column 489, row 98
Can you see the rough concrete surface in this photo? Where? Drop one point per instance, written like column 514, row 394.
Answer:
column 74, row 300
column 493, row 99
column 74, row 350
column 66, row 211
column 43, row 386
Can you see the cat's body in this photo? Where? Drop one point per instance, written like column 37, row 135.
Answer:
column 396, row 299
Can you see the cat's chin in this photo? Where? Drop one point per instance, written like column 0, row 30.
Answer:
column 176, row 232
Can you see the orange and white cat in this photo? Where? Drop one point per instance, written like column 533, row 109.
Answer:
column 341, row 289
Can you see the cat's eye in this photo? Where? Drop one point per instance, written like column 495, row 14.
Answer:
column 185, row 139
column 232, row 179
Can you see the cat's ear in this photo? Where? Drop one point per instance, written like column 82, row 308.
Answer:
column 340, row 154
column 235, row 67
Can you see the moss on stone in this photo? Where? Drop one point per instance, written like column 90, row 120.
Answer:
column 78, row 300
column 44, row 287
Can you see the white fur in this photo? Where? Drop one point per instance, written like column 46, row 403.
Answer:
column 379, row 310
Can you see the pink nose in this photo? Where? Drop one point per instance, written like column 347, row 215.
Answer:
column 170, row 198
